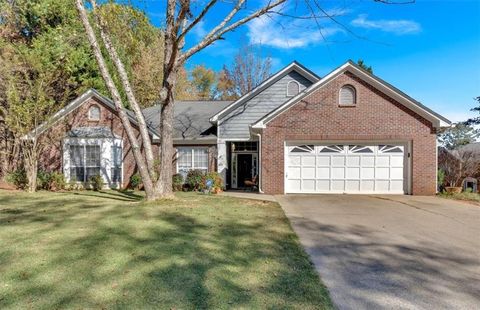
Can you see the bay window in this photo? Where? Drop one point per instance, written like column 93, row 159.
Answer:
column 192, row 158
column 84, row 162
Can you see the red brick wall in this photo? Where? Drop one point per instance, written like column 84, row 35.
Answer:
column 51, row 157
column 375, row 117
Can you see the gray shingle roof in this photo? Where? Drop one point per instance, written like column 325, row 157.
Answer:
column 91, row 132
column 191, row 119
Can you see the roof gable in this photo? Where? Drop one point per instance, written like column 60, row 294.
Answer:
column 76, row 103
column 436, row 119
column 294, row 66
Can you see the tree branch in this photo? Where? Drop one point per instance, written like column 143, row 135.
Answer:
column 221, row 29
column 197, row 19
column 115, row 94
column 142, row 126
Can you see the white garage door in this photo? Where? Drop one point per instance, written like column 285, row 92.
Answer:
column 345, row 168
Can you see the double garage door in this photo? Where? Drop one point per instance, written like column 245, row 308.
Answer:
column 345, row 168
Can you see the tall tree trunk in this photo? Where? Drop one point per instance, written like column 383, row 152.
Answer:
column 29, row 150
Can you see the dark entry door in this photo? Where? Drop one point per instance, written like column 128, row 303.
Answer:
column 244, row 168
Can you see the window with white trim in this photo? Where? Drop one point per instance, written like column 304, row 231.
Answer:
column 94, row 113
column 347, row 96
column 84, row 162
column 192, row 158
column 293, row 88
column 116, row 173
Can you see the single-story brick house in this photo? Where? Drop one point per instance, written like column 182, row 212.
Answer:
column 348, row 132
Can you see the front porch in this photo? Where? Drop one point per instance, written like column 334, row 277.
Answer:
column 242, row 165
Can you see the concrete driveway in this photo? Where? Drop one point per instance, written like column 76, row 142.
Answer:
column 404, row 252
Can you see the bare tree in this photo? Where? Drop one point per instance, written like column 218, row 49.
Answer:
column 248, row 70
column 458, row 164
column 181, row 17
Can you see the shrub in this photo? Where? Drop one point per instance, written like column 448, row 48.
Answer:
column 18, row 178
column 135, row 181
column 194, row 179
column 43, row 179
column 56, row 181
column 96, row 182
column 177, row 182
column 217, row 182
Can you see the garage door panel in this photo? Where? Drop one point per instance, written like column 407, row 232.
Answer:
column 396, row 185
column 382, row 185
column 308, row 185
column 396, row 161
column 308, row 172
column 294, row 160
column 323, row 161
column 338, row 172
column 382, row 161
column 396, row 173
column 351, row 168
column 382, row 173
column 323, row 185
column 338, row 161
column 353, row 173
column 338, row 186
column 294, row 185
column 368, row 172
column 352, row 185
column 353, row 161
column 323, row 173
column 368, row 161
column 367, row 186
column 294, row 172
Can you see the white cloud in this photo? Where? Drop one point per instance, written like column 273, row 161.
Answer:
column 286, row 34
column 396, row 26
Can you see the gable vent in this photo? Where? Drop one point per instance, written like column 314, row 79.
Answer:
column 293, row 88
column 347, row 95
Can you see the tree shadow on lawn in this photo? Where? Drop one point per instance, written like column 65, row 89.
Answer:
column 154, row 256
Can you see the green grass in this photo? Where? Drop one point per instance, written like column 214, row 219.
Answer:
column 466, row 196
column 107, row 250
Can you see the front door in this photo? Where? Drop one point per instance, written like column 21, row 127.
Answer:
column 244, row 168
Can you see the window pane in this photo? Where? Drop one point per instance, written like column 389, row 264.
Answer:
column 76, row 155
column 184, row 158
column 77, row 174
column 116, row 175
column 116, row 156
column 92, row 172
column 201, row 158
column 92, row 155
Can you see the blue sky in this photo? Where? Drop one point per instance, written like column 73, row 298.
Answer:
column 429, row 49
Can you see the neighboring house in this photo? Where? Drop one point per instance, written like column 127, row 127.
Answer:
column 348, row 132
column 461, row 166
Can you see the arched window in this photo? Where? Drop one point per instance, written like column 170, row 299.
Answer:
column 348, row 95
column 94, row 113
column 293, row 88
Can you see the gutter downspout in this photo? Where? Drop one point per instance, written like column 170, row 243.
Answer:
column 259, row 163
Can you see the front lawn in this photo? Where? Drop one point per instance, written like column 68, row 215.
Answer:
column 107, row 250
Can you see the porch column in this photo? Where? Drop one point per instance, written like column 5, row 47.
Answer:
column 222, row 164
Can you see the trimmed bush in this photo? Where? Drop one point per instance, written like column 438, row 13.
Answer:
column 96, row 182
column 57, row 181
column 177, row 182
column 195, row 179
column 18, row 178
column 135, row 181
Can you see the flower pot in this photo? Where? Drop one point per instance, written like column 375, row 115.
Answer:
column 453, row 189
